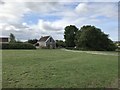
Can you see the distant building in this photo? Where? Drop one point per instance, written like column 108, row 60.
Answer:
column 4, row 39
column 46, row 42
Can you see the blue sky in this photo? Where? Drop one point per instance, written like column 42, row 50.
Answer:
column 33, row 18
column 29, row 20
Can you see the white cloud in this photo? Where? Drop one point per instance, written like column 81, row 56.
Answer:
column 8, row 28
column 12, row 11
column 48, row 26
column 63, row 0
column 42, row 7
column 11, row 17
column 24, row 24
column 81, row 8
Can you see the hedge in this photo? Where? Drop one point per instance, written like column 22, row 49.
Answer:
column 17, row 46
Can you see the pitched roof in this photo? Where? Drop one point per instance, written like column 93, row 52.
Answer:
column 4, row 36
column 44, row 38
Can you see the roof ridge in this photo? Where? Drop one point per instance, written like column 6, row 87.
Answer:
column 44, row 38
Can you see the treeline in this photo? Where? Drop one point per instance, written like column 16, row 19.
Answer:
column 87, row 38
column 17, row 46
column 14, row 44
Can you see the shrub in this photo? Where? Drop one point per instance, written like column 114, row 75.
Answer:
column 17, row 46
column 118, row 49
column 71, row 48
column 43, row 47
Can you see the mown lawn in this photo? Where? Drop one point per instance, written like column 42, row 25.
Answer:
column 58, row 69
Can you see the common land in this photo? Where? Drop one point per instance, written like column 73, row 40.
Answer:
column 47, row 68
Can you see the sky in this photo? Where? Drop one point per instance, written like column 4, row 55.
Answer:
column 33, row 19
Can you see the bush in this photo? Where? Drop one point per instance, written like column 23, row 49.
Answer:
column 82, row 49
column 93, row 39
column 70, row 48
column 43, row 47
column 118, row 49
column 17, row 46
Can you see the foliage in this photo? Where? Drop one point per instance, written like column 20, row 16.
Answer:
column 43, row 47
column 17, row 46
column 60, row 44
column 77, row 38
column 32, row 41
column 117, row 43
column 69, row 35
column 93, row 38
column 88, row 38
column 71, row 48
column 19, row 42
column 12, row 38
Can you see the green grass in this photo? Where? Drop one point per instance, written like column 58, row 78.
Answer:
column 58, row 69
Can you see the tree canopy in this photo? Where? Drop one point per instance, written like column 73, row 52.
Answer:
column 32, row 41
column 91, row 38
column 12, row 38
column 60, row 44
column 69, row 35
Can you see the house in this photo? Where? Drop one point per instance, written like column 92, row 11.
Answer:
column 46, row 42
column 4, row 39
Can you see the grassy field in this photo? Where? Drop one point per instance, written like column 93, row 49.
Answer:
column 58, row 69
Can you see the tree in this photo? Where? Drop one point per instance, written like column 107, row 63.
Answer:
column 60, row 44
column 93, row 38
column 19, row 41
column 77, row 38
column 69, row 35
column 32, row 41
column 12, row 38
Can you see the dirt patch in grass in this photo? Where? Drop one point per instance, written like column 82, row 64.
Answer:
column 94, row 52
column 114, row 84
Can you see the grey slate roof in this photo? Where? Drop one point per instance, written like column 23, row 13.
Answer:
column 43, row 39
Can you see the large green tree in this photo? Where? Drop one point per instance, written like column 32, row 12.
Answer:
column 32, row 41
column 12, row 38
column 77, row 38
column 93, row 38
column 60, row 43
column 69, row 35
